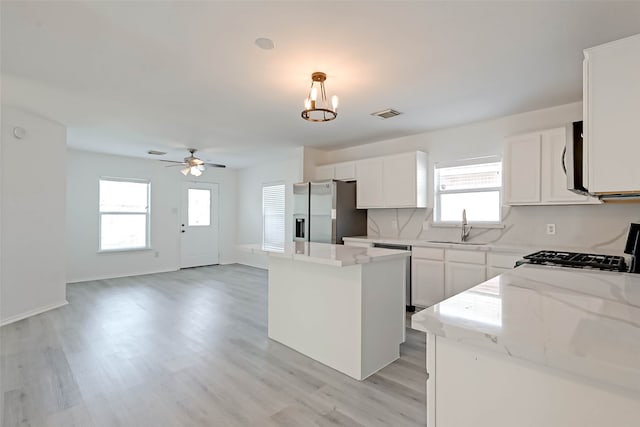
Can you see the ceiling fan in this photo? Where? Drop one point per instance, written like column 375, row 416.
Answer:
column 193, row 165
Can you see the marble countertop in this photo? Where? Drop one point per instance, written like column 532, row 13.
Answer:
column 325, row 253
column 475, row 246
column 580, row 321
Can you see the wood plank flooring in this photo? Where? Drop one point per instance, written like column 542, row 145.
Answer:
column 187, row 348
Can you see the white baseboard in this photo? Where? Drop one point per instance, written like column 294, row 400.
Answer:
column 32, row 312
column 117, row 276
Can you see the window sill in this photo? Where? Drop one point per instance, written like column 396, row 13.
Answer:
column 113, row 251
column 472, row 225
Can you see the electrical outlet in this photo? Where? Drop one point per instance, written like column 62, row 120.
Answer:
column 157, row 254
column 551, row 229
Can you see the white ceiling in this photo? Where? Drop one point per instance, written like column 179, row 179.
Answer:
column 127, row 77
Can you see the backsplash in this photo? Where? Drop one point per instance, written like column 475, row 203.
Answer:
column 593, row 227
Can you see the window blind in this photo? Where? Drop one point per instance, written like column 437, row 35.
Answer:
column 273, row 216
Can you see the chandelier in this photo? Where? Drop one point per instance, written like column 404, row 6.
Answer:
column 319, row 110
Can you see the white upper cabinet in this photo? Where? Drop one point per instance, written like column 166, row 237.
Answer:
column 611, row 112
column 370, row 182
column 324, row 172
column 344, row 171
column 396, row 181
column 534, row 170
column 521, row 166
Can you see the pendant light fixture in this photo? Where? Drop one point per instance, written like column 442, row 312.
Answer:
column 319, row 110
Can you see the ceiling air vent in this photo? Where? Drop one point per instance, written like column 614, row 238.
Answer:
column 386, row 114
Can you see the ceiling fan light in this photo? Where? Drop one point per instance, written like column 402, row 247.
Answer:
column 195, row 171
column 185, row 171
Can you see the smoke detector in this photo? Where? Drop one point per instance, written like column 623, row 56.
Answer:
column 386, row 114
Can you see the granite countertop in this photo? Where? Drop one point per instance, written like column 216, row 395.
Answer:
column 325, row 253
column 582, row 321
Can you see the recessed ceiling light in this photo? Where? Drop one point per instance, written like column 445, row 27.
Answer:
column 157, row 153
column 386, row 114
column 264, row 43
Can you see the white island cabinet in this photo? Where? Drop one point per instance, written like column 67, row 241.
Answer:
column 537, row 346
column 343, row 306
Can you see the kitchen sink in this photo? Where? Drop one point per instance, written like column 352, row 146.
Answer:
column 449, row 242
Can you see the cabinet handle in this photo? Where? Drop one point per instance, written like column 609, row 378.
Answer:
column 563, row 160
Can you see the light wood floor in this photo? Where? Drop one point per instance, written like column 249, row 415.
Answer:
column 187, row 348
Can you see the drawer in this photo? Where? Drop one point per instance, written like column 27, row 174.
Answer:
column 436, row 254
column 468, row 257
column 502, row 260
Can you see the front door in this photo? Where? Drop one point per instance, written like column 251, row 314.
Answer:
column 199, row 227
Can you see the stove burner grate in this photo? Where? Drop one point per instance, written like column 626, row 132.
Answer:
column 578, row 260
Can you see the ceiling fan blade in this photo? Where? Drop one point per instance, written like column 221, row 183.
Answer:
column 215, row 165
column 177, row 164
column 172, row 161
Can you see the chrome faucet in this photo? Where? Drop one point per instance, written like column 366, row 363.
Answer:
column 466, row 228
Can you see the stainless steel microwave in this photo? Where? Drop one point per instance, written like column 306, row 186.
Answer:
column 574, row 160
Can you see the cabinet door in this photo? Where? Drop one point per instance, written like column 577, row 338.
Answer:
column 460, row 277
column 612, row 99
column 345, row 171
column 496, row 271
column 370, row 183
column 427, row 282
column 554, row 177
column 400, row 180
column 522, row 169
column 324, row 172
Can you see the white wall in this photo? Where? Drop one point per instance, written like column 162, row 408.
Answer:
column 249, row 207
column 83, row 173
column 32, row 258
column 601, row 227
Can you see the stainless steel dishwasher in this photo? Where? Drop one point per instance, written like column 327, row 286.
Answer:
column 410, row 306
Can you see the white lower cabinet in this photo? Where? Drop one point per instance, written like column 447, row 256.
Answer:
column 501, row 262
column 459, row 277
column 463, row 270
column 427, row 282
column 427, row 276
column 496, row 271
column 438, row 274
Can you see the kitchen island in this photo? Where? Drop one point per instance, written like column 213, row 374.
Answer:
column 537, row 346
column 342, row 306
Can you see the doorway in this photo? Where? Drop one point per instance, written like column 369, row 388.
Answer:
column 200, row 224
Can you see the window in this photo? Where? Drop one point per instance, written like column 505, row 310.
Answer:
column 273, row 216
column 199, row 207
column 124, row 214
column 473, row 185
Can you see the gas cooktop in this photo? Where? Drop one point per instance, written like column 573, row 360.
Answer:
column 577, row 260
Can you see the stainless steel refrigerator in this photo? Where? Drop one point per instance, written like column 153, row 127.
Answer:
column 325, row 212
